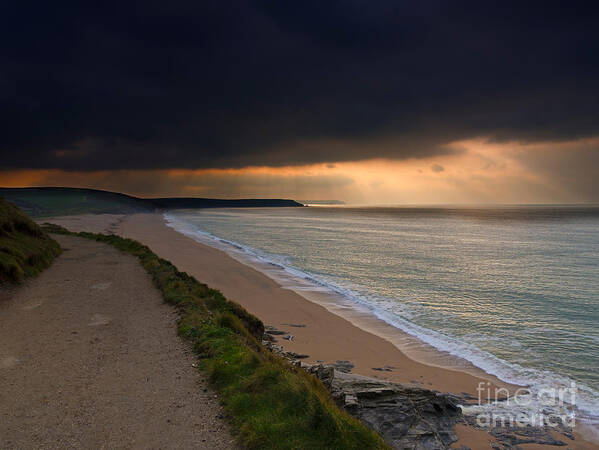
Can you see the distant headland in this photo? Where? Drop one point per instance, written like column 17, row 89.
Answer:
column 322, row 202
column 54, row 201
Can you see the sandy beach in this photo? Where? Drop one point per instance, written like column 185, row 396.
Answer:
column 323, row 335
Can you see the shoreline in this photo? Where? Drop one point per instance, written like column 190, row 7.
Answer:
column 331, row 332
column 354, row 312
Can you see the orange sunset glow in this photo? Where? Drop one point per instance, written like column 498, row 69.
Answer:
column 476, row 171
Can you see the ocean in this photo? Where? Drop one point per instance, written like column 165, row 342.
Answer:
column 513, row 290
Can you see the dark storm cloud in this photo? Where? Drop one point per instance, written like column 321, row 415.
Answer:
column 107, row 85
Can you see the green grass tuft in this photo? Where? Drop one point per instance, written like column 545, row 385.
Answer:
column 271, row 404
column 25, row 250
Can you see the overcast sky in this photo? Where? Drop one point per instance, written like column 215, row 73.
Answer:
column 365, row 101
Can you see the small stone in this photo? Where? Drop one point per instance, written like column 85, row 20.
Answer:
column 344, row 366
column 276, row 332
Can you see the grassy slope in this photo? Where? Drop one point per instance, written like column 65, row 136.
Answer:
column 25, row 250
column 45, row 202
column 271, row 403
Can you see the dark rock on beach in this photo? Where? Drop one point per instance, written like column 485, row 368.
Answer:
column 276, row 332
column 406, row 417
column 295, row 356
column 343, row 366
column 268, row 337
column 511, row 437
column 268, row 341
column 384, row 369
column 514, row 436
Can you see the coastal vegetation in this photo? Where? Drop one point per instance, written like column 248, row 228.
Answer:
column 25, row 249
column 271, row 404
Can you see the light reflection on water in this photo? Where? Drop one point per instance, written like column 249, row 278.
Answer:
column 519, row 283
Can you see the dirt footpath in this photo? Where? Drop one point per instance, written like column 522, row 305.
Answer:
column 89, row 358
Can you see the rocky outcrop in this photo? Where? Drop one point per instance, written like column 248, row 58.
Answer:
column 510, row 437
column 406, row 417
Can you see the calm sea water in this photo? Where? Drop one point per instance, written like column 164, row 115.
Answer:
column 513, row 290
